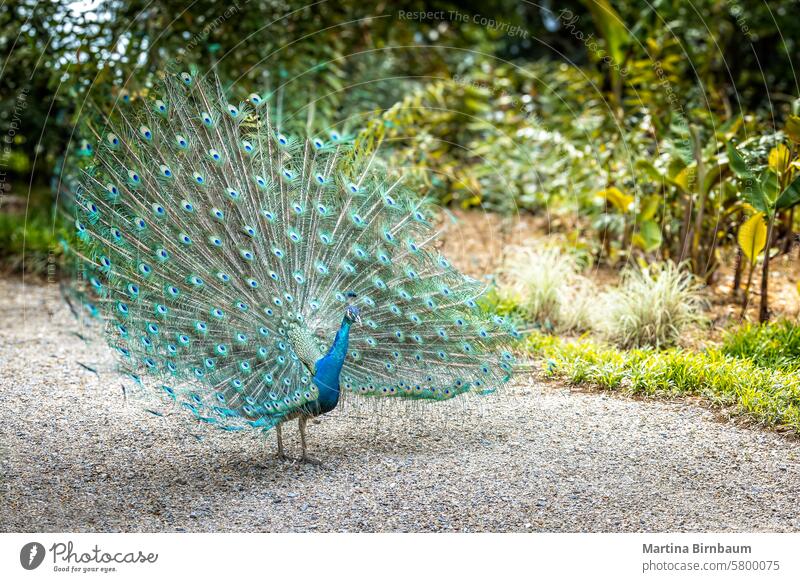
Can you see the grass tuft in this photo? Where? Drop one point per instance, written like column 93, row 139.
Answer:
column 768, row 396
column 546, row 289
column 773, row 345
column 651, row 307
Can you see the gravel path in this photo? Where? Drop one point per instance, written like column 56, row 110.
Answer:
column 75, row 456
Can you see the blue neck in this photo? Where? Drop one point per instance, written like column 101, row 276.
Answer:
column 329, row 367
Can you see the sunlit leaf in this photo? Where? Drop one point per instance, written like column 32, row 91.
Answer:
column 611, row 26
column 685, row 178
column 649, row 236
column 649, row 207
column 779, row 159
column 769, row 186
column 622, row 202
column 752, row 237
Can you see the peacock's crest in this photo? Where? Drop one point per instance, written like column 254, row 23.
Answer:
column 220, row 252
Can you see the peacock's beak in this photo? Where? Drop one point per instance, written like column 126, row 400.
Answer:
column 358, row 319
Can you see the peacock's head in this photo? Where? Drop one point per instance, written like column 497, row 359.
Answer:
column 352, row 314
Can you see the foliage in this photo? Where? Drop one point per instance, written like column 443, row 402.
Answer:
column 34, row 241
column 771, row 189
column 752, row 237
column 767, row 396
column 611, row 118
column 772, row 345
column 651, row 306
column 67, row 62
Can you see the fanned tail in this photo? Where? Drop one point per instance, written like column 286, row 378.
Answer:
column 222, row 255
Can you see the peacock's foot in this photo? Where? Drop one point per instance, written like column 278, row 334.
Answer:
column 311, row 460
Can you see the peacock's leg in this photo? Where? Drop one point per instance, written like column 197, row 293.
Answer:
column 305, row 458
column 280, row 442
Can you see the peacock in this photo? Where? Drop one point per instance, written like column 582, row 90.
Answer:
column 251, row 277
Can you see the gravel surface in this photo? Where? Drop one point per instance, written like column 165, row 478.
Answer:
column 75, row 456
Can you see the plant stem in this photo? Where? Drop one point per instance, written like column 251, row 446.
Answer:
column 701, row 206
column 737, row 274
column 787, row 241
column 746, row 300
column 763, row 312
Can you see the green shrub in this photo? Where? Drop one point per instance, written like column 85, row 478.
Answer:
column 651, row 306
column 35, row 241
column 771, row 397
column 773, row 345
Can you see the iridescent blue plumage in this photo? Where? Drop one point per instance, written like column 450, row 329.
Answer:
column 224, row 256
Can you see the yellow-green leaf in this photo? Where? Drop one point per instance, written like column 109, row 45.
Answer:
column 611, row 27
column 649, row 236
column 623, row 202
column 649, row 207
column 685, row 179
column 779, row 158
column 752, row 237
